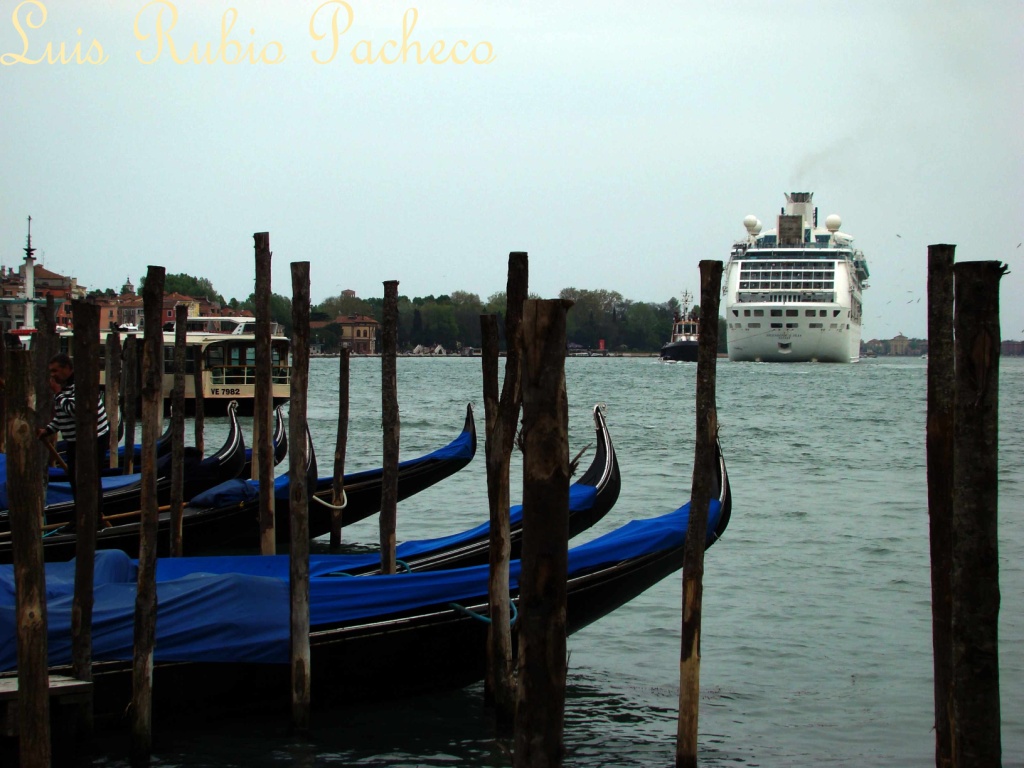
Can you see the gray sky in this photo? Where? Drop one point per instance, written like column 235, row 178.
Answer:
column 618, row 143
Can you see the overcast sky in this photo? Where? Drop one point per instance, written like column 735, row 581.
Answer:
column 618, row 143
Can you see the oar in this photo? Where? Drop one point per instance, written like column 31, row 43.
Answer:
column 55, row 454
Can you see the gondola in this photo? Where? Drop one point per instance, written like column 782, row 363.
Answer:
column 590, row 499
column 222, row 637
column 239, row 498
column 122, row 497
column 279, row 441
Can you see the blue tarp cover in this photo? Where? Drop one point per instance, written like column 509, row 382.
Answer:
column 59, row 492
column 235, row 609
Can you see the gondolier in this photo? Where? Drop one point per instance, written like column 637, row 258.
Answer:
column 62, row 381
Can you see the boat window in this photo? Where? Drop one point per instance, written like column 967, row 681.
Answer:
column 746, row 313
column 822, row 313
column 810, row 313
column 792, row 312
column 815, row 325
column 776, row 325
column 753, row 325
column 758, row 313
column 736, row 313
column 833, row 326
column 214, row 356
column 792, row 325
column 776, row 313
column 835, row 313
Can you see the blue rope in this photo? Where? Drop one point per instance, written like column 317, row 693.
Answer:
column 481, row 617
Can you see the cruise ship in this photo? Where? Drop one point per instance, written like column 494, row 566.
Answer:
column 793, row 293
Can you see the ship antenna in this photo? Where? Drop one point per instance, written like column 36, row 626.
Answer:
column 29, row 250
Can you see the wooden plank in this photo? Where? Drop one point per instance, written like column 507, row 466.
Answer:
column 540, row 711
column 939, row 453
column 391, row 427
column 24, row 477
column 262, row 450
column 298, row 498
column 700, row 500
column 501, row 417
column 976, row 717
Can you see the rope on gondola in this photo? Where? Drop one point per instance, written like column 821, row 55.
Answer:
column 480, row 616
column 344, row 501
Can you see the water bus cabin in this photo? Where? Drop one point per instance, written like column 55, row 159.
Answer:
column 226, row 347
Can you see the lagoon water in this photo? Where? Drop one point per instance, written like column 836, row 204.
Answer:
column 816, row 647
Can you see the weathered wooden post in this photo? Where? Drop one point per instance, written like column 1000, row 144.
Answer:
column 262, row 454
column 112, row 392
column 338, row 485
column 391, row 426
column 199, row 401
column 45, row 345
column 939, row 451
column 298, row 497
column 86, row 343
column 540, row 712
column 24, row 475
column 145, row 596
column 700, row 500
column 501, row 418
column 975, row 582
column 131, row 398
column 178, row 430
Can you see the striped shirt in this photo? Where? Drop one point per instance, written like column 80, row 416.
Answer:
column 64, row 415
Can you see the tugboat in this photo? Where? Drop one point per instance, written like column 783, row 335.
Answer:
column 682, row 344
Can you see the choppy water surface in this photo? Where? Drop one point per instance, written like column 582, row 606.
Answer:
column 816, row 645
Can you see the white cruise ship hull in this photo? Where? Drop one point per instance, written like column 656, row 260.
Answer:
column 840, row 345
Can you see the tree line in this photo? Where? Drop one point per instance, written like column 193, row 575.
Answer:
column 453, row 320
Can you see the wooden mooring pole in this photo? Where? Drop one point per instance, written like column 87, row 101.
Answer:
column 340, row 445
column 298, row 497
column 975, row 579
column 44, row 346
column 25, row 486
column 145, row 595
column 501, row 417
column 540, row 711
column 199, row 402
column 130, row 372
column 391, row 427
column 939, row 452
column 178, row 431
column 86, row 343
column 112, row 392
column 700, row 500
column 262, row 408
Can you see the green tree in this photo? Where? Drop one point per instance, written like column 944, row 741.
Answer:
column 187, row 285
column 280, row 310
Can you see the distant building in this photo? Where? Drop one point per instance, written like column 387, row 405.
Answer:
column 359, row 333
column 899, row 345
column 63, row 290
